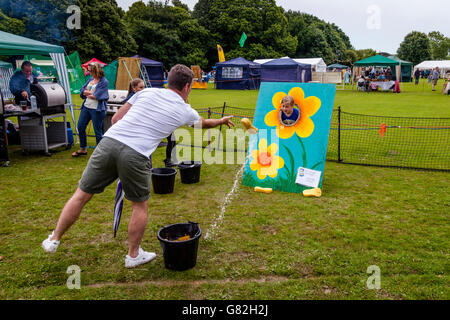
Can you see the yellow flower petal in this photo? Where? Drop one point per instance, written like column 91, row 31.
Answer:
column 271, row 118
column 273, row 172
column 278, row 162
column 262, row 146
column 306, row 127
column 309, row 106
column 298, row 95
column 260, row 175
column 272, row 149
column 286, row 132
column 255, row 166
column 276, row 99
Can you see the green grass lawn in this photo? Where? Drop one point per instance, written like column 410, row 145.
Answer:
column 267, row 246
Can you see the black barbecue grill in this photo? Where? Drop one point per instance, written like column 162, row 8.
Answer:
column 50, row 97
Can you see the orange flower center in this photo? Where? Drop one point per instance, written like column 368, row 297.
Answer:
column 264, row 159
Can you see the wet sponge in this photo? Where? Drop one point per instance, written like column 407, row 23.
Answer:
column 316, row 192
column 265, row 190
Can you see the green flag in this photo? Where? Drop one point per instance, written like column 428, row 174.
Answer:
column 243, row 38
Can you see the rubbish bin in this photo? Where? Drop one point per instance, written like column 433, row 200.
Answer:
column 163, row 180
column 190, row 171
column 180, row 255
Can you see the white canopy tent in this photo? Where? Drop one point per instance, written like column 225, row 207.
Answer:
column 317, row 64
column 443, row 65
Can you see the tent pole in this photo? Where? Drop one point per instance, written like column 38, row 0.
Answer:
column 72, row 114
column 129, row 74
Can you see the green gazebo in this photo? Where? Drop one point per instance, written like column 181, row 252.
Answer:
column 406, row 69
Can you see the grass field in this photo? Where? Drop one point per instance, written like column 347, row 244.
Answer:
column 276, row 246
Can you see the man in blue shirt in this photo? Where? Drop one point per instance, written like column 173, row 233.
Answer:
column 20, row 82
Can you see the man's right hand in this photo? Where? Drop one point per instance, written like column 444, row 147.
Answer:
column 25, row 94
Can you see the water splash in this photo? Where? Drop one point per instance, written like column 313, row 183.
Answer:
column 218, row 219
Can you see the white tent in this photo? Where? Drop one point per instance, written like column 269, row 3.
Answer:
column 317, row 64
column 443, row 65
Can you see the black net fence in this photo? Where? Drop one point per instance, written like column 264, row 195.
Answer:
column 403, row 142
column 400, row 142
column 221, row 138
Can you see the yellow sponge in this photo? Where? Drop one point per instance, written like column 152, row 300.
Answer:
column 316, row 192
column 265, row 190
column 248, row 126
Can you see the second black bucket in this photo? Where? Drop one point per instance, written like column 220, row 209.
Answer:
column 163, row 180
column 180, row 255
column 190, row 171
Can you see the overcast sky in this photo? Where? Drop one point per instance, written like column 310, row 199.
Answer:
column 376, row 24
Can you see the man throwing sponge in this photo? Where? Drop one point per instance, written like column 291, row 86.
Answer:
column 138, row 127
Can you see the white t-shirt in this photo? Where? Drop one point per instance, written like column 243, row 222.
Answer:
column 91, row 103
column 154, row 115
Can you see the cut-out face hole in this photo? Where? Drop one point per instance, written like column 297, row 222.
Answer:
column 289, row 114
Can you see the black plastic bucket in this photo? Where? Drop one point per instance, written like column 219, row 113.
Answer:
column 190, row 171
column 180, row 255
column 163, row 180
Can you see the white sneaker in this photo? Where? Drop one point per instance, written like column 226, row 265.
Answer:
column 50, row 246
column 142, row 258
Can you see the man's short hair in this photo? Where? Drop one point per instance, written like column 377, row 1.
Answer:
column 179, row 75
column 26, row 64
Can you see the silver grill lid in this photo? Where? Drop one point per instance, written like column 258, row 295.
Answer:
column 48, row 94
column 117, row 96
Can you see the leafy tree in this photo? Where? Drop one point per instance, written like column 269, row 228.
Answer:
column 365, row 53
column 44, row 20
column 316, row 38
column 168, row 33
column 11, row 25
column 351, row 56
column 102, row 33
column 263, row 22
column 415, row 48
column 440, row 45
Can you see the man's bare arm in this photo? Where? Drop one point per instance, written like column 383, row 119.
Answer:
column 212, row 123
column 121, row 113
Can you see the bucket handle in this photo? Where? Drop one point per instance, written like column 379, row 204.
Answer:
column 196, row 224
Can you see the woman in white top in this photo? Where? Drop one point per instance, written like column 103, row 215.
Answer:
column 95, row 95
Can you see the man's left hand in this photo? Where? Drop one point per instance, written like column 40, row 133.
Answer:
column 227, row 121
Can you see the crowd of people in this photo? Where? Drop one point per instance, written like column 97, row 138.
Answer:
column 431, row 74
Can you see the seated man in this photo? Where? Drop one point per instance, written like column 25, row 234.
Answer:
column 360, row 84
column 20, row 82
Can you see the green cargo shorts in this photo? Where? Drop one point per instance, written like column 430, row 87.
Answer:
column 111, row 160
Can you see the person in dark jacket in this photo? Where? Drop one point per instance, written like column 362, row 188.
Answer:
column 417, row 76
column 20, row 82
column 95, row 95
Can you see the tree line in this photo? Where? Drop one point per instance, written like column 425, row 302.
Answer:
column 171, row 33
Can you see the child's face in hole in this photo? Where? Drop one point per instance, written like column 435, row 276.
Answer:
column 287, row 108
column 140, row 86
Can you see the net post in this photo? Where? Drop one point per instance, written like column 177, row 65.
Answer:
column 209, row 130
column 339, row 134
column 220, row 128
